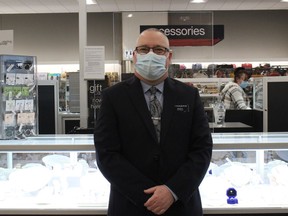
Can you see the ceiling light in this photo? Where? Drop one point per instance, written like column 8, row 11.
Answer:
column 284, row 0
column 91, row 2
column 198, row 1
column 130, row 15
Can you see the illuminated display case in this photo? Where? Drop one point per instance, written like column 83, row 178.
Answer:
column 18, row 97
column 57, row 174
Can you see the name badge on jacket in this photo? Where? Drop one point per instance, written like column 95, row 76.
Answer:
column 182, row 107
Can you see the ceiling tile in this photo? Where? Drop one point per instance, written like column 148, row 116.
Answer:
column 55, row 6
column 72, row 6
column 4, row 8
column 231, row 5
column 249, row 4
column 161, row 5
column 141, row 5
column 178, row 5
column 126, row 5
column 108, row 5
column 214, row 5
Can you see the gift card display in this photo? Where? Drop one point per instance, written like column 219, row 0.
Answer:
column 17, row 91
column 10, row 79
column 9, row 119
column 19, row 97
column 29, row 79
column 25, row 91
column 10, row 106
column 31, row 118
column 20, row 79
column 29, row 105
column 22, row 118
column 26, row 119
column 8, row 91
column 20, row 105
column 9, row 65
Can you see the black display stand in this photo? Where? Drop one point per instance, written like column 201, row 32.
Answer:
column 47, row 106
column 277, row 107
column 252, row 118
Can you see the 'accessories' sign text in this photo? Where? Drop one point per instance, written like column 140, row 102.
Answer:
column 190, row 35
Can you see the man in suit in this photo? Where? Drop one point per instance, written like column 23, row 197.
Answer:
column 152, row 170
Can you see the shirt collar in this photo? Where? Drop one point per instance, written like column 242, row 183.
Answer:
column 146, row 87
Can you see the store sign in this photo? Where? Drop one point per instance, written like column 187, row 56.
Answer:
column 94, row 62
column 190, row 35
column 95, row 87
column 6, row 41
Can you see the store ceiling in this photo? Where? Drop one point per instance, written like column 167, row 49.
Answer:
column 71, row 6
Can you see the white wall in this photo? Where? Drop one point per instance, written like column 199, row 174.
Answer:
column 253, row 35
column 54, row 38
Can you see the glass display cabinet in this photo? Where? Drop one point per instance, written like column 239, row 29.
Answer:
column 269, row 98
column 51, row 174
column 255, row 166
column 57, row 174
column 209, row 88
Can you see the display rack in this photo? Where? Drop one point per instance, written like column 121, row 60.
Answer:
column 18, row 97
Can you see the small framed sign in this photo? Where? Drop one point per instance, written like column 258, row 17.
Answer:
column 94, row 62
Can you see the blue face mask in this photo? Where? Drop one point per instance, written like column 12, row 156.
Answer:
column 151, row 66
column 243, row 84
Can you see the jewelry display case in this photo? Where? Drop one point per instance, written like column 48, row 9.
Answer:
column 51, row 174
column 57, row 174
column 253, row 164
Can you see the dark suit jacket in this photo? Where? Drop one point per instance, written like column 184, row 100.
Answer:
column 130, row 158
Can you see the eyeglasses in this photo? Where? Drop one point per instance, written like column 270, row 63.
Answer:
column 159, row 50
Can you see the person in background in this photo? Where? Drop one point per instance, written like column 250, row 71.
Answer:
column 152, row 170
column 233, row 94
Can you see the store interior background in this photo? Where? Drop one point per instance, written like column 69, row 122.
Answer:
column 250, row 36
column 256, row 37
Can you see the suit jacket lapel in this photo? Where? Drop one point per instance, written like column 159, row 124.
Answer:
column 135, row 92
column 168, row 106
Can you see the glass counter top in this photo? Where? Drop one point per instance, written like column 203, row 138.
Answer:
column 270, row 140
column 85, row 142
column 59, row 142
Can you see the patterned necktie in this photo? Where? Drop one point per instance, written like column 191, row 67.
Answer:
column 155, row 110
